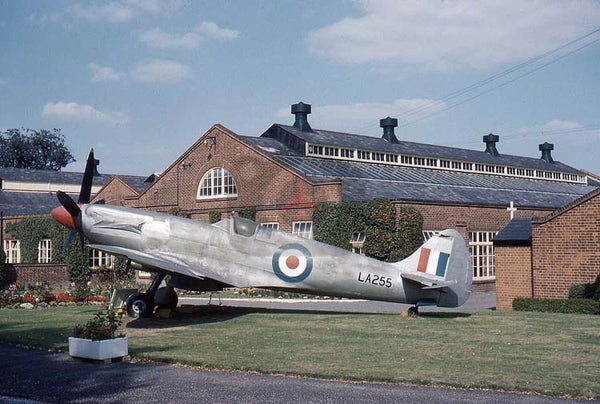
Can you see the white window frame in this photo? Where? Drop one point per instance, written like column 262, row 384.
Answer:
column 45, row 251
column 101, row 259
column 12, row 249
column 481, row 249
column 358, row 242
column 427, row 234
column 270, row 225
column 303, row 229
column 216, row 183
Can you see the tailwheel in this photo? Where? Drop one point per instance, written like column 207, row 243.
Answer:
column 413, row 311
column 140, row 305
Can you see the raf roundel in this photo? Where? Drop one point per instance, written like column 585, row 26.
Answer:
column 292, row 263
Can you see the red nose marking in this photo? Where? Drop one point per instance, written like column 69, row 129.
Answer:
column 63, row 217
column 292, row 262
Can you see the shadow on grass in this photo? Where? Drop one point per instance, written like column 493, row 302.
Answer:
column 214, row 314
column 444, row 314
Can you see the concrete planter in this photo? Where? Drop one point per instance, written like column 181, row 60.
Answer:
column 98, row 350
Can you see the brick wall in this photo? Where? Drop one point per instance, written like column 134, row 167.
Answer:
column 566, row 248
column 56, row 276
column 513, row 274
column 475, row 218
column 115, row 192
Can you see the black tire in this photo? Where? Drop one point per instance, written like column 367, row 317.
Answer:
column 166, row 297
column 140, row 305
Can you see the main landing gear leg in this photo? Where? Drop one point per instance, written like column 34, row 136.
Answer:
column 142, row 304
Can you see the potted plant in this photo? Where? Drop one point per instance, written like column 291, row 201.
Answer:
column 97, row 338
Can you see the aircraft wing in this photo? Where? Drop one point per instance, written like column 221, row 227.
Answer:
column 426, row 280
column 160, row 261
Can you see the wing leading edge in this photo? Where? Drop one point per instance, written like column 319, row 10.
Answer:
column 166, row 263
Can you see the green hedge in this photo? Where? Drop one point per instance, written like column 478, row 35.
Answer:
column 583, row 306
column 586, row 290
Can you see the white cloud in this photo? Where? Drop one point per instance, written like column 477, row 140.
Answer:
column 212, row 30
column 104, row 73
column 555, row 126
column 160, row 71
column 364, row 117
column 443, row 35
column 114, row 12
column 157, row 38
column 71, row 111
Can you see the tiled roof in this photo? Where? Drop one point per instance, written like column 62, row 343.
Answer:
column 137, row 183
column 516, row 232
column 50, row 176
column 364, row 181
column 339, row 139
column 28, row 203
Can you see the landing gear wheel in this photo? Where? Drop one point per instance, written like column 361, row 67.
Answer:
column 413, row 311
column 140, row 305
column 166, row 298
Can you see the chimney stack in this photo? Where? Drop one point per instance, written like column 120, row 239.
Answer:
column 301, row 111
column 490, row 144
column 546, row 149
column 388, row 124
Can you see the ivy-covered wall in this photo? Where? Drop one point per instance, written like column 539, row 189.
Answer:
column 389, row 236
column 30, row 231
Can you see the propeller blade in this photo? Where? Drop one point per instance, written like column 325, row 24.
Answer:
column 68, row 203
column 70, row 237
column 88, row 176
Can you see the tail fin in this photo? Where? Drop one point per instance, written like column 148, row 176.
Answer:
column 443, row 263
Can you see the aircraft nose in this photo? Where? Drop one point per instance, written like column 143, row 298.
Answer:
column 63, row 217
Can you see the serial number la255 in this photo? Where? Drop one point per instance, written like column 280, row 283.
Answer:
column 375, row 279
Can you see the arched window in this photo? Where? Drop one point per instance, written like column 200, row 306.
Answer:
column 216, row 183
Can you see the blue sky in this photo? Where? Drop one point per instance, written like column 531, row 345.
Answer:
column 141, row 80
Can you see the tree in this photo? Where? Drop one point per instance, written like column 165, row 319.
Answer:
column 34, row 149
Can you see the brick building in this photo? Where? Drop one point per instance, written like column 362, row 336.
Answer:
column 543, row 257
column 283, row 173
column 32, row 193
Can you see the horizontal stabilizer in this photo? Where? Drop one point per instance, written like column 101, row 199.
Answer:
column 427, row 281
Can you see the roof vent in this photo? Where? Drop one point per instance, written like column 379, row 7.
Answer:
column 546, row 149
column 490, row 144
column 388, row 124
column 301, row 110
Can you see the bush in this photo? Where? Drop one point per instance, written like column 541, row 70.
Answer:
column 214, row 216
column 3, row 269
column 102, row 326
column 583, row 306
column 585, row 290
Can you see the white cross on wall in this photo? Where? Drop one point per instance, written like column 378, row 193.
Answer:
column 512, row 210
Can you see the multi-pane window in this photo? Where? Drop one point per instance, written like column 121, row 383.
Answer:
column 45, row 251
column 427, row 234
column 358, row 242
column 217, row 182
column 100, row 259
column 12, row 249
column 302, row 229
column 270, row 225
column 481, row 248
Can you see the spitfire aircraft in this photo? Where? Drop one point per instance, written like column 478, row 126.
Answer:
column 237, row 252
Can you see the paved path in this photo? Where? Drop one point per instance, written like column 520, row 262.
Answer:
column 34, row 376
column 477, row 301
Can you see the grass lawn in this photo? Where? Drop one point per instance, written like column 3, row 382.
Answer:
column 555, row 354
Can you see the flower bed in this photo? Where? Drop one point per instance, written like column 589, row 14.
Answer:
column 37, row 296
